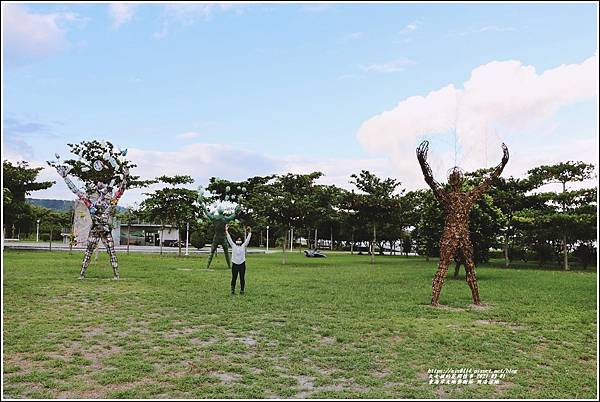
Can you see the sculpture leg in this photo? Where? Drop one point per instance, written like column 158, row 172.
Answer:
column 446, row 255
column 213, row 250
column 91, row 246
column 109, row 243
column 226, row 251
column 470, row 276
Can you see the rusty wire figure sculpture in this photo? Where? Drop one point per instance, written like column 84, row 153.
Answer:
column 456, row 204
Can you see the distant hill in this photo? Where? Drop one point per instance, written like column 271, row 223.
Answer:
column 58, row 205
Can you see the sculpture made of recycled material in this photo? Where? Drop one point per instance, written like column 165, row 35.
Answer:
column 99, row 198
column 456, row 204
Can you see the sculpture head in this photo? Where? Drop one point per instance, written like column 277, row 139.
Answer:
column 220, row 210
column 455, row 178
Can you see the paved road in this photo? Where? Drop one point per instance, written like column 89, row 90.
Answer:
column 134, row 249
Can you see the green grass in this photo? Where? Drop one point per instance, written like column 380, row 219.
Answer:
column 334, row 327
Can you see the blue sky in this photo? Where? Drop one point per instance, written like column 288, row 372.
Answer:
column 238, row 90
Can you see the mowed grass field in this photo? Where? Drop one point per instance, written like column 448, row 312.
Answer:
column 315, row 328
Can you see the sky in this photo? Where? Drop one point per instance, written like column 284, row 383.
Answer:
column 245, row 89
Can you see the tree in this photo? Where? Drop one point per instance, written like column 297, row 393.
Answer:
column 93, row 164
column 19, row 181
column 285, row 200
column 172, row 205
column 377, row 202
column 567, row 217
column 243, row 195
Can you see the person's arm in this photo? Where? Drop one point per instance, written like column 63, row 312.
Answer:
column 426, row 169
column 487, row 182
column 229, row 239
column 248, row 236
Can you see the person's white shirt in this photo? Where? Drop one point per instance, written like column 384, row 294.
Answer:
column 238, row 253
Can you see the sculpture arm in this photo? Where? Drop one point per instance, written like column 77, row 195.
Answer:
column 487, row 182
column 426, row 169
column 230, row 217
column 80, row 194
column 207, row 212
column 122, row 186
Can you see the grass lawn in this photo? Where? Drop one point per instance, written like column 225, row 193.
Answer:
column 334, row 327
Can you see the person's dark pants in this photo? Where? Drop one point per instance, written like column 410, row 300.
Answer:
column 235, row 270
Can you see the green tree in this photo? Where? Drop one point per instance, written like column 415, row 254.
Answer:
column 569, row 215
column 285, row 201
column 377, row 203
column 172, row 205
column 19, row 181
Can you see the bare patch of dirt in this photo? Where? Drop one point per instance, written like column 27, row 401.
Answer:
column 500, row 323
column 227, row 378
column 203, row 342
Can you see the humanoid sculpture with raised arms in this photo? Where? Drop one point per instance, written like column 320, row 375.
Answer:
column 99, row 198
column 456, row 204
column 219, row 220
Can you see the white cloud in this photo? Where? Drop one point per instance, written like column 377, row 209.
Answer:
column 489, row 28
column 409, row 28
column 189, row 135
column 389, row 67
column 176, row 14
column 29, row 36
column 508, row 96
column 121, row 13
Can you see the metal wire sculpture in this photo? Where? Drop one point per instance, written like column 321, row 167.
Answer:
column 456, row 204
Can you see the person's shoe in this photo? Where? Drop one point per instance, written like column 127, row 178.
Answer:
column 232, row 291
column 116, row 278
column 241, row 292
column 81, row 277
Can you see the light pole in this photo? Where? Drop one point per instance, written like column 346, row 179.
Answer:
column 187, row 237
column 37, row 231
column 267, row 238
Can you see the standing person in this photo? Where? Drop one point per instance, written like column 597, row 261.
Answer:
column 238, row 258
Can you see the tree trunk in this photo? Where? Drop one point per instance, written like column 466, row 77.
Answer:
column 316, row 241
column 352, row 244
column 331, row 237
column 564, row 239
column 506, row 259
column 179, row 239
column 160, row 240
column 566, row 253
column 50, row 239
column 128, row 235
column 285, row 235
column 373, row 246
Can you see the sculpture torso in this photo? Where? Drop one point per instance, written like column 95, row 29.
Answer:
column 457, row 206
column 219, row 222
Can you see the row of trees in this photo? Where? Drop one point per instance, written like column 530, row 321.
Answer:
column 516, row 216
